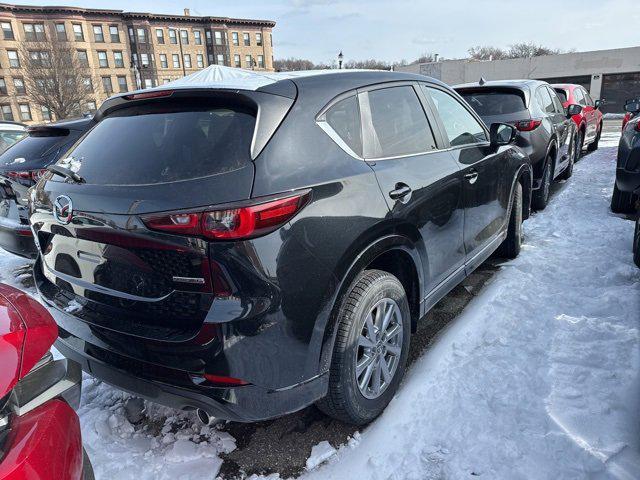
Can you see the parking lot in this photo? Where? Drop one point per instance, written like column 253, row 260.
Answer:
column 505, row 376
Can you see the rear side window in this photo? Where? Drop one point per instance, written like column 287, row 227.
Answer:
column 562, row 94
column 461, row 127
column 167, row 142
column 344, row 119
column 487, row 102
column 544, row 100
column 399, row 123
column 579, row 97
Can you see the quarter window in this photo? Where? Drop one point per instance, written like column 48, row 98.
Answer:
column 462, row 128
column 400, row 125
column 344, row 120
column 544, row 100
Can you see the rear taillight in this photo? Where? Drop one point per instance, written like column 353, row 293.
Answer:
column 527, row 125
column 246, row 221
column 210, row 380
column 27, row 174
column 146, row 95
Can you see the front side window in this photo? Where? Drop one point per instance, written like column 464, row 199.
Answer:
column 461, row 126
column 98, row 34
column 344, row 120
column 557, row 104
column 578, row 96
column 399, row 123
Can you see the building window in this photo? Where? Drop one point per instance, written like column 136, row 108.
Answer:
column 166, row 80
column 207, row 34
column 236, row 61
column 148, row 83
column 144, row 59
column 3, row 87
column 78, row 34
column 248, row 62
column 172, row 36
column 142, row 35
column 7, row 31
column 39, row 58
column 187, row 60
column 246, row 39
column 61, row 32
column 106, row 85
column 234, row 38
column 184, row 37
column 218, row 37
column 114, row 33
column 118, row 59
column 91, row 106
column 176, row 60
column 88, row 84
column 34, row 32
column 160, row 36
column 14, row 60
column 260, row 61
column 98, row 35
column 46, row 113
column 197, row 37
column 259, row 39
column 200, row 60
column 163, row 61
column 7, row 113
column 210, row 58
column 18, row 84
column 25, row 112
column 103, row 61
column 220, row 59
column 122, row 84
column 132, row 35
column 83, row 58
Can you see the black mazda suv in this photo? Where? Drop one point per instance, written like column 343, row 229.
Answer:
column 247, row 250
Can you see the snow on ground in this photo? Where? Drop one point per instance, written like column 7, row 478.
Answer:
column 537, row 379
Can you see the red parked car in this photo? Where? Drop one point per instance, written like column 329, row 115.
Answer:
column 589, row 120
column 39, row 429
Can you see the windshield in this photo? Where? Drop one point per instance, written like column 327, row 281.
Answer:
column 164, row 143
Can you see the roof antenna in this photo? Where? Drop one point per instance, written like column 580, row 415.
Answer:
column 482, row 81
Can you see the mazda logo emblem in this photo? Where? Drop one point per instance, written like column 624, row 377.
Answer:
column 63, row 209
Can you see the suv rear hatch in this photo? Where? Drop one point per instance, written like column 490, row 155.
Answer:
column 497, row 104
column 150, row 153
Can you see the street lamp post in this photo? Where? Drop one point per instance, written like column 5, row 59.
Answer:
column 340, row 58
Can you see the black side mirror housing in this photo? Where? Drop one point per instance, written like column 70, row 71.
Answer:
column 597, row 104
column 573, row 110
column 632, row 106
column 501, row 134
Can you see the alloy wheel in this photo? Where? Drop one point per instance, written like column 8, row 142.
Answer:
column 379, row 348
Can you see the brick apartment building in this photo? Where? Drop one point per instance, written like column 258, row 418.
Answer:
column 125, row 50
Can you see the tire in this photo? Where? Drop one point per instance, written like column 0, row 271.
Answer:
column 593, row 146
column 510, row 247
column 636, row 243
column 541, row 195
column 568, row 171
column 622, row 202
column 580, row 143
column 346, row 400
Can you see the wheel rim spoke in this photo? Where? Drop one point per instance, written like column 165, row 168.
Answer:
column 364, row 382
column 371, row 332
column 365, row 342
column 364, row 363
column 386, row 372
column 393, row 350
column 375, row 379
column 388, row 314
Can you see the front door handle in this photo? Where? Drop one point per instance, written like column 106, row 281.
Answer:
column 402, row 192
column 471, row 177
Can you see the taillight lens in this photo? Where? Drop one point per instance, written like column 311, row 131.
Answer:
column 527, row 125
column 27, row 174
column 247, row 221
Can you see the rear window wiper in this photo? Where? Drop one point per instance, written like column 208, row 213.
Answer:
column 65, row 172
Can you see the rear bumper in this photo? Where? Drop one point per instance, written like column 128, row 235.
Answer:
column 248, row 403
column 627, row 181
column 17, row 238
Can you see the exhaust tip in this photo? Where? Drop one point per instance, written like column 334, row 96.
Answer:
column 204, row 417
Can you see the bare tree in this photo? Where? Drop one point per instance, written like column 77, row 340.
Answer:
column 54, row 76
column 292, row 64
column 487, row 53
column 370, row 64
column 524, row 50
column 425, row 58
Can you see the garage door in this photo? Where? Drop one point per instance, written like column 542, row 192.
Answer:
column 617, row 88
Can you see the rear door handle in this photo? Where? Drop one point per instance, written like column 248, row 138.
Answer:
column 402, row 192
column 471, row 177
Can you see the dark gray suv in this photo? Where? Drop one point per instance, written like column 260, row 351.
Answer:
column 546, row 131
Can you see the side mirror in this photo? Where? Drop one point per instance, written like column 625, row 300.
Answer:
column 573, row 110
column 597, row 104
column 501, row 134
column 632, row 107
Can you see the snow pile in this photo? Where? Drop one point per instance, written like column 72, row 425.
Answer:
column 320, row 453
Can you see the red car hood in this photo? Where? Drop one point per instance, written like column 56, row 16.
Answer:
column 27, row 331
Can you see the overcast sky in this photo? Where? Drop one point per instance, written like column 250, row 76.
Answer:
column 403, row 29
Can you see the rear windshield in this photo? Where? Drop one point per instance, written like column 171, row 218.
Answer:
column 36, row 146
column 488, row 103
column 562, row 94
column 163, row 143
